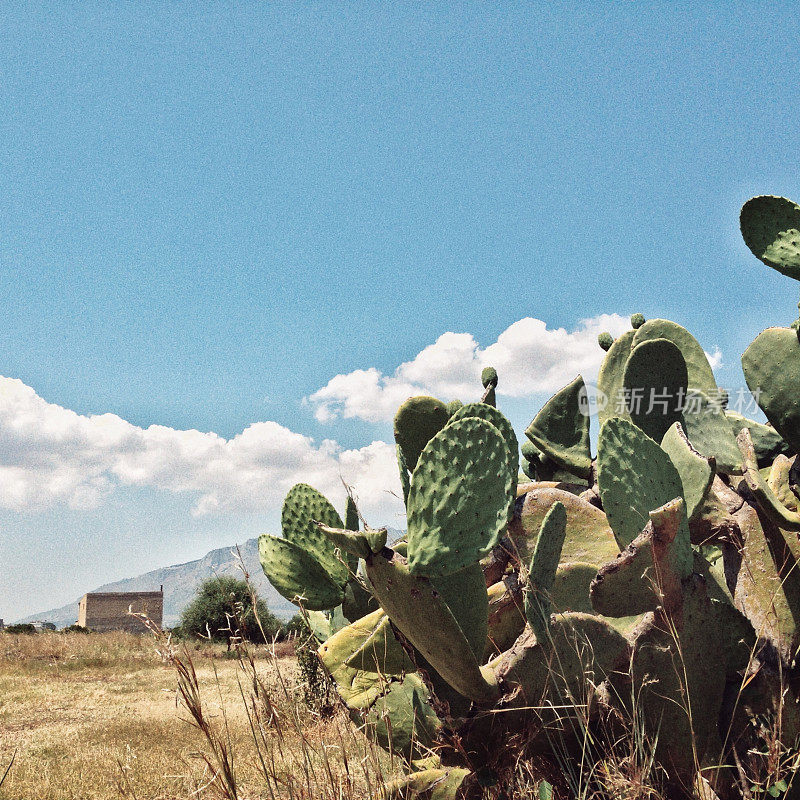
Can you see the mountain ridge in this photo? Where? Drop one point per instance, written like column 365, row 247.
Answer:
column 181, row 581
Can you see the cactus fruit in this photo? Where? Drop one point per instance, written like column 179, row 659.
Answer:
column 637, row 320
column 605, row 340
column 489, row 377
column 771, row 229
column 561, row 430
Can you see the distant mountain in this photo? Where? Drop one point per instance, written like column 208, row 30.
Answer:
column 181, row 581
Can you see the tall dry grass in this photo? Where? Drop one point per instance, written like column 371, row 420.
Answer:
column 101, row 716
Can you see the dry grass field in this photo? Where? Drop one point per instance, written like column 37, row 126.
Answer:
column 89, row 716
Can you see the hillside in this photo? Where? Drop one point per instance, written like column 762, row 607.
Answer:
column 180, row 582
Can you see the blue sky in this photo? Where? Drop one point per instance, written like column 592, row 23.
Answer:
column 206, row 215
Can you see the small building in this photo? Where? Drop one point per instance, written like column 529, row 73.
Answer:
column 108, row 611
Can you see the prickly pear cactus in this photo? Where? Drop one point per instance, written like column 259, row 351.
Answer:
column 654, row 586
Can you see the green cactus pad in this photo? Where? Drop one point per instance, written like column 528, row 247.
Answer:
column 580, row 652
column 460, row 495
column 673, row 675
column 772, row 370
column 297, row 575
column 708, row 429
column 699, row 372
column 494, row 417
column 771, row 229
column 542, row 571
column 648, row 573
column 589, row 537
column 635, row 476
column 655, row 382
column 416, row 422
column 402, row 720
column 570, row 590
column 323, row 624
column 611, row 379
column 303, row 506
column 358, row 600
column 766, row 440
column 381, row 652
column 420, row 613
column 696, row 471
column 466, row 597
column 351, row 518
column 626, row 586
column 453, row 406
column 405, row 477
column 561, row 430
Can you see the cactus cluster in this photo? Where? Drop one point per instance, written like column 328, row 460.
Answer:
column 653, row 584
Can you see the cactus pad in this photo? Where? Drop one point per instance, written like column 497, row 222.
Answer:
column 297, row 575
column 699, row 372
column 610, row 379
column 460, row 495
column 420, row 613
column 772, row 370
column 494, row 417
column 561, row 430
column 696, row 471
column 635, row 476
column 655, row 383
column 416, row 422
column 589, row 538
column 542, row 571
column 771, row 229
column 766, row 440
column 303, row 506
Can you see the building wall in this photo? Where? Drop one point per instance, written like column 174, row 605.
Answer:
column 108, row 611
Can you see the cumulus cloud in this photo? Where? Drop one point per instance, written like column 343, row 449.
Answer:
column 51, row 455
column 530, row 358
column 715, row 358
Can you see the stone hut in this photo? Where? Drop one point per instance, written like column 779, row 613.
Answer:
column 108, row 611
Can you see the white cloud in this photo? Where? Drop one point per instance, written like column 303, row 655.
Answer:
column 50, row 455
column 530, row 358
column 715, row 358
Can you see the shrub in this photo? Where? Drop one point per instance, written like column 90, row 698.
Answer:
column 76, row 629
column 223, row 610
column 20, row 627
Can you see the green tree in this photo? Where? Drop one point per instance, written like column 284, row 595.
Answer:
column 223, row 608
